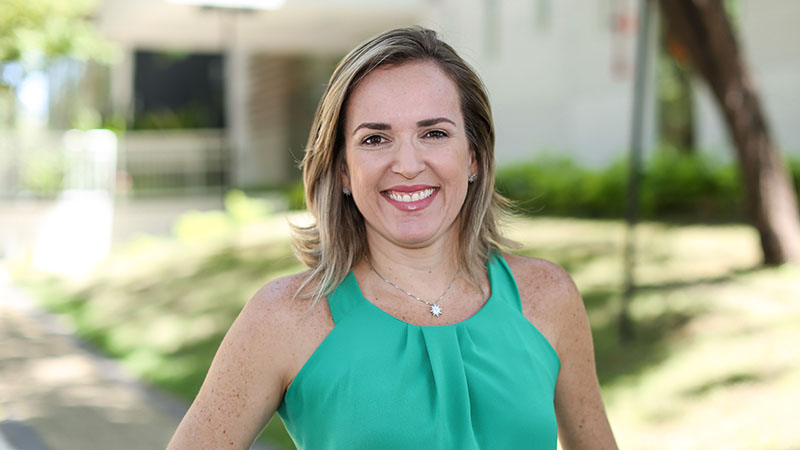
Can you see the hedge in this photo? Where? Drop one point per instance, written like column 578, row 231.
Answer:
column 674, row 186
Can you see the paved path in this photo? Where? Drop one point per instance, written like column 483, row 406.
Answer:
column 56, row 394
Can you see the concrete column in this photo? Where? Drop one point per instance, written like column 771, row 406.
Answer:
column 269, row 85
column 237, row 132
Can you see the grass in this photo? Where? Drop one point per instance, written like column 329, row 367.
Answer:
column 714, row 362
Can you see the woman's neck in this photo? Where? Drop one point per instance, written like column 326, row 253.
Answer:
column 427, row 269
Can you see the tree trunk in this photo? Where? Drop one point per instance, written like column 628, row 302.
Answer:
column 675, row 96
column 705, row 29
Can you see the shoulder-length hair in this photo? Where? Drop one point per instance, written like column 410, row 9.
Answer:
column 337, row 240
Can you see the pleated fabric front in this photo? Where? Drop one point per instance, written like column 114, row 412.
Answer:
column 377, row 382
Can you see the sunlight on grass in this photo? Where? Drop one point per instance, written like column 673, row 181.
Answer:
column 714, row 364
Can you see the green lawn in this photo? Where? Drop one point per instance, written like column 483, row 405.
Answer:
column 715, row 362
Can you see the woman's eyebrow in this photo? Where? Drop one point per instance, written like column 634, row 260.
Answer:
column 373, row 126
column 386, row 126
column 429, row 122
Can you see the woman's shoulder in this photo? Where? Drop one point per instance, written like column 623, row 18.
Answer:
column 550, row 299
column 280, row 302
column 542, row 278
column 282, row 324
column 279, row 294
column 250, row 371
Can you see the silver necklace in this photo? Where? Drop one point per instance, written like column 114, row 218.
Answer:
column 435, row 308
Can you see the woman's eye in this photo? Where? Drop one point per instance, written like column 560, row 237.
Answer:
column 373, row 140
column 436, row 134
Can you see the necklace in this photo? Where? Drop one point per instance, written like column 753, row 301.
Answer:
column 436, row 309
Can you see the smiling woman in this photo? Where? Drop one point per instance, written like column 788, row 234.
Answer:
column 411, row 327
column 407, row 157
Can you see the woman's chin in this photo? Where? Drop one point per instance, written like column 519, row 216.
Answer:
column 416, row 238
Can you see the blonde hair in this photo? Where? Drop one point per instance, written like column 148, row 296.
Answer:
column 337, row 239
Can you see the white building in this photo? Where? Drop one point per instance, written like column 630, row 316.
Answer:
column 559, row 73
column 769, row 38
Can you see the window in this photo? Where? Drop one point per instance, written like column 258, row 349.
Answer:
column 178, row 91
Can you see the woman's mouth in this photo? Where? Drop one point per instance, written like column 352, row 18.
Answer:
column 408, row 197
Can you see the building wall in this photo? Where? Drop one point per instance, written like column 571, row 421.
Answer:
column 559, row 73
column 769, row 37
column 280, row 96
column 266, row 158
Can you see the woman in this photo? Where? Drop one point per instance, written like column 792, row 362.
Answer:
column 410, row 329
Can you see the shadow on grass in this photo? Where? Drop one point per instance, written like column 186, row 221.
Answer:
column 181, row 372
column 710, row 281
column 651, row 342
column 728, row 381
column 571, row 256
column 654, row 336
column 214, row 286
column 207, row 291
column 650, row 345
column 189, row 367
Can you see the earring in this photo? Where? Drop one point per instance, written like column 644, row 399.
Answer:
column 346, row 192
column 472, row 178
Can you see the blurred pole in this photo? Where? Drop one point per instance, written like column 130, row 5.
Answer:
column 626, row 331
column 228, row 48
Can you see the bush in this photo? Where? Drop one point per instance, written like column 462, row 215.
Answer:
column 685, row 186
column 794, row 167
column 558, row 186
column 239, row 209
column 673, row 186
column 295, row 195
column 43, row 172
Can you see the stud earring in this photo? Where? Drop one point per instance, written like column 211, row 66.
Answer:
column 346, row 192
column 472, row 178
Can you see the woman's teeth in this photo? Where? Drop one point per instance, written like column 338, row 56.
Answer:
column 407, row 197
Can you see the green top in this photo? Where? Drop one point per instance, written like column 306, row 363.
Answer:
column 377, row 382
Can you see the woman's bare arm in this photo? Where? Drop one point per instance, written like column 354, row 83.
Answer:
column 246, row 381
column 553, row 304
column 582, row 419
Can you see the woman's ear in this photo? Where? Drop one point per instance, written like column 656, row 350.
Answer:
column 473, row 164
column 345, row 176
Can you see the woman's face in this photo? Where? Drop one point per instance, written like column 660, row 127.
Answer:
column 407, row 155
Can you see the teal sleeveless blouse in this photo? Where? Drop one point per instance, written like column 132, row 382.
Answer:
column 376, row 382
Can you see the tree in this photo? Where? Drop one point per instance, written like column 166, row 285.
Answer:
column 36, row 35
column 33, row 31
column 675, row 96
column 705, row 30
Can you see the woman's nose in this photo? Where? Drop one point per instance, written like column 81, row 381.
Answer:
column 407, row 160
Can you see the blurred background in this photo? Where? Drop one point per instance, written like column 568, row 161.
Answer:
column 148, row 173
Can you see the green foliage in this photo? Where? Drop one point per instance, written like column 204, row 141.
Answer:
column 34, row 29
column 712, row 329
column 673, row 186
column 42, row 172
column 794, row 168
column 296, row 196
column 87, row 118
column 685, row 186
column 558, row 186
column 244, row 209
column 190, row 116
column 674, row 94
column 162, row 306
column 202, row 225
column 240, row 209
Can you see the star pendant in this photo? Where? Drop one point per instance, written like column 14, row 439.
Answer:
column 436, row 310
